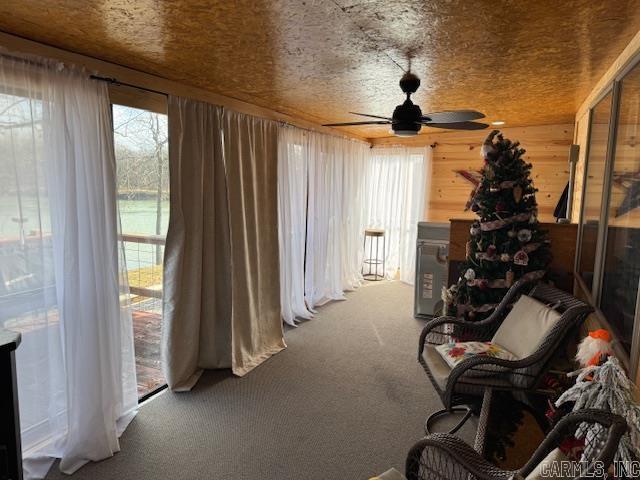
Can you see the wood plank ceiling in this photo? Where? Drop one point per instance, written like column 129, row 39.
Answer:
column 525, row 62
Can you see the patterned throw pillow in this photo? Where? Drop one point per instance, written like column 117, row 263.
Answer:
column 454, row 353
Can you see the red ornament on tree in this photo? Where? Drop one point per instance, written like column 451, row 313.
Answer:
column 521, row 258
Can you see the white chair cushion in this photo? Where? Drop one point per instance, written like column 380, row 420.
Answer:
column 454, row 353
column 525, row 327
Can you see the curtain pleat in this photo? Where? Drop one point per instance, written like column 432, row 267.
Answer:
column 221, row 277
column 354, row 211
column 321, row 187
column 197, row 263
column 292, row 220
column 335, row 217
column 251, row 159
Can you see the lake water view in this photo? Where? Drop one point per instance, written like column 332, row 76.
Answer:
column 139, row 216
column 136, row 217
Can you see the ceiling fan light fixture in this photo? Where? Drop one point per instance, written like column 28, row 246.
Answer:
column 407, row 118
column 405, row 133
column 497, row 123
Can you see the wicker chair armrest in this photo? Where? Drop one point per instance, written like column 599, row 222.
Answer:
column 616, row 424
column 477, row 361
column 446, row 320
column 446, row 456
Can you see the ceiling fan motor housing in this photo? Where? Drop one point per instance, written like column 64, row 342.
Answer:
column 406, row 117
column 409, row 83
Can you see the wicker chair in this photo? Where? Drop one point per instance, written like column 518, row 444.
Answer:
column 462, row 387
column 443, row 456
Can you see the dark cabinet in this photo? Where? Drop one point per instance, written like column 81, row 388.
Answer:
column 10, row 451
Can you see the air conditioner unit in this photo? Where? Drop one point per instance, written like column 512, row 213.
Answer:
column 432, row 252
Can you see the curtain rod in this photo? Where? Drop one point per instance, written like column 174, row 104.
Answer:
column 115, row 81
column 32, row 61
column 26, row 59
column 29, row 59
column 336, row 135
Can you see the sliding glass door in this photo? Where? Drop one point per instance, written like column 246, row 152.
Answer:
column 609, row 265
column 141, row 144
column 594, row 187
column 621, row 266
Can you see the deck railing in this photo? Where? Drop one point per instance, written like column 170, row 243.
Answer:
column 143, row 255
column 30, row 279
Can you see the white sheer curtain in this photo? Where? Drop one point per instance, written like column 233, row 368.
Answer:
column 396, row 193
column 323, row 276
column 337, row 172
column 59, row 265
column 293, row 157
column 354, row 211
column 321, row 192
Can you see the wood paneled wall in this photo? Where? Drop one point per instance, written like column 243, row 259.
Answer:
column 581, row 134
column 547, row 149
column 563, row 248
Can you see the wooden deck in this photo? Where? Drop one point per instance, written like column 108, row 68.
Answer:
column 146, row 332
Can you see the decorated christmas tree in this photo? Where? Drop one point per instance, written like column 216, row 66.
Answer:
column 505, row 242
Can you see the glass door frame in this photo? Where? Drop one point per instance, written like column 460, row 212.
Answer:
column 615, row 88
column 152, row 101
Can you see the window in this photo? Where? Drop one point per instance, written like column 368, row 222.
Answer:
column 621, row 268
column 593, row 188
column 608, row 263
column 28, row 301
column 141, row 145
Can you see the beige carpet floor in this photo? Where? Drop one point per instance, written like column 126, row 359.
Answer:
column 345, row 400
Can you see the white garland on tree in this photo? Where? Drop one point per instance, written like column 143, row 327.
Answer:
column 607, row 388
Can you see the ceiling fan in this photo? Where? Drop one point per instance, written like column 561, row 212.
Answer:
column 407, row 119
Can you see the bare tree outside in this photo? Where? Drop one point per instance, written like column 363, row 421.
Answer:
column 141, row 150
column 141, row 143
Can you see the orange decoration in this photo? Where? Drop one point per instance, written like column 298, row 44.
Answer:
column 601, row 334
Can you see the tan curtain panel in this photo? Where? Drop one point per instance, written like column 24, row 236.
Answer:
column 197, row 263
column 251, row 154
column 221, row 269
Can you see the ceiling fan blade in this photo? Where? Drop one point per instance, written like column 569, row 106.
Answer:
column 372, row 116
column 346, row 124
column 452, row 116
column 457, row 125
